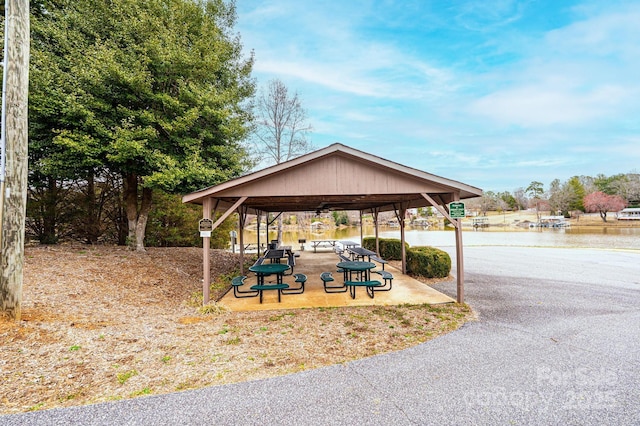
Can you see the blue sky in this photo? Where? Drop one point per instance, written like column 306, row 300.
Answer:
column 492, row 93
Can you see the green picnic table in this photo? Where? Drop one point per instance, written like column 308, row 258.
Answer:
column 267, row 269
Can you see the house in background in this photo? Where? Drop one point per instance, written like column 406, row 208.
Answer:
column 629, row 214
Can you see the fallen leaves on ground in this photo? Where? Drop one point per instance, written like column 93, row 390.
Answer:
column 105, row 323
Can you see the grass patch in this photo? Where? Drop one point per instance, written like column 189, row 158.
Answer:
column 211, row 309
column 36, row 407
column 145, row 391
column 123, row 377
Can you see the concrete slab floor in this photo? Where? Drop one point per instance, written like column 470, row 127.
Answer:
column 405, row 289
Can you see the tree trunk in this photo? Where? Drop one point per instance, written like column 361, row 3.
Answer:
column 91, row 219
column 119, row 217
column 13, row 211
column 603, row 215
column 143, row 216
column 50, row 209
column 121, row 224
column 131, row 206
column 136, row 218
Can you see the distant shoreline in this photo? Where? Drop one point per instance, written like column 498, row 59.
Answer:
column 585, row 220
column 495, row 219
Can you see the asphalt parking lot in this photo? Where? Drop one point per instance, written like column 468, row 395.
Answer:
column 556, row 342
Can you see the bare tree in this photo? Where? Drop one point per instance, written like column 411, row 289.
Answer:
column 560, row 196
column 488, row 202
column 15, row 87
column 521, row 198
column 628, row 187
column 281, row 127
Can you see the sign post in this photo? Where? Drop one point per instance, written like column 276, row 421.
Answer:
column 457, row 213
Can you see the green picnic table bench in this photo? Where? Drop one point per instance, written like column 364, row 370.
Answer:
column 301, row 279
column 327, row 278
column 264, row 287
column 370, row 285
column 388, row 280
column 238, row 282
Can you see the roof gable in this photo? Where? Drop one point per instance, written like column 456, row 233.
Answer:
column 334, row 171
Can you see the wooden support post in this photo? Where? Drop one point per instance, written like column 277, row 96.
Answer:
column 457, row 223
column 242, row 217
column 459, row 257
column 258, row 216
column 403, row 212
column 375, row 222
column 400, row 217
column 459, row 263
column 206, row 242
column 206, row 261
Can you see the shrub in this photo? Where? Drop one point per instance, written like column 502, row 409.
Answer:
column 340, row 218
column 390, row 248
column 174, row 224
column 428, row 262
column 369, row 243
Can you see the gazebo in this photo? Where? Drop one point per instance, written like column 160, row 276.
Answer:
column 337, row 177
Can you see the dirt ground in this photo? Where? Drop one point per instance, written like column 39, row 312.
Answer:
column 105, row 323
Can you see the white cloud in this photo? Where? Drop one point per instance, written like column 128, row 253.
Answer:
column 376, row 71
column 609, row 33
column 359, row 116
column 456, row 157
column 582, row 74
column 533, row 106
column 483, row 16
column 324, row 44
column 541, row 162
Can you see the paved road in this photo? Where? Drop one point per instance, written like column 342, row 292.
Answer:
column 556, row 342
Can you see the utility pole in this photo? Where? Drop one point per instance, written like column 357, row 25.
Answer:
column 14, row 163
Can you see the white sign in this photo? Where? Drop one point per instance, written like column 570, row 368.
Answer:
column 205, row 234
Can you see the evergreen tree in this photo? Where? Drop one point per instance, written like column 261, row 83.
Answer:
column 154, row 90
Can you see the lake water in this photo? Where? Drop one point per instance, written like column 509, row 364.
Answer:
column 609, row 238
column 592, row 237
